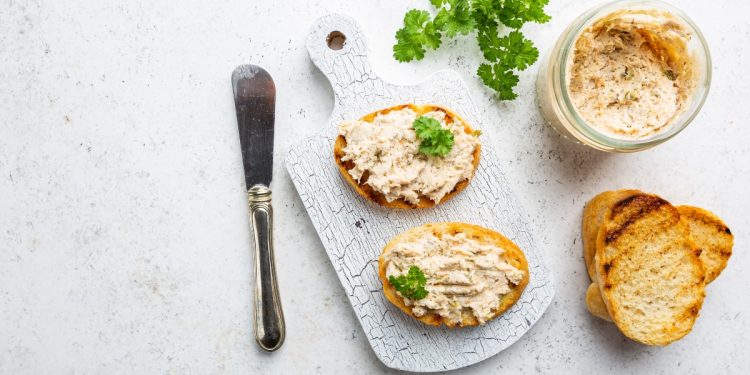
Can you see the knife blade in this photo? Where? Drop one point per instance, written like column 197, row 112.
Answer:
column 255, row 101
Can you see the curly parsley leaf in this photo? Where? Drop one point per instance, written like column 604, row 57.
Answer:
column 506, row 54
column 457, row 19
column 500, row 79
column 484, row 13
column 489, row 43
column 411, row 285
column 434, row 139
column 418, row 33
column 514, row 13
column 512, row 51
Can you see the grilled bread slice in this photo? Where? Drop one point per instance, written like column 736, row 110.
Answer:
column 712, row 236
column 512, row 255
column 593, row 216
column 648, row 270
column 707, row 230
column 367, row 192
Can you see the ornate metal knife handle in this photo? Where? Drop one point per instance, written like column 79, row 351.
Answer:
column 269, row 318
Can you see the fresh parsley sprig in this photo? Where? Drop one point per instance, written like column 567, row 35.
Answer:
column 411, row 285
column 505, row 55
column 434, row 139
column 417, row 34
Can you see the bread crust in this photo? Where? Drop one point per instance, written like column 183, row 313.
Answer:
column 370, row 194
column 512, row 255
column 626, row 252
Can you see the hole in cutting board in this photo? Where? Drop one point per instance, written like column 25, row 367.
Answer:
column 336, row 40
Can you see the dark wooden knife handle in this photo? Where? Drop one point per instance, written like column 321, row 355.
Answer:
column 269, row 318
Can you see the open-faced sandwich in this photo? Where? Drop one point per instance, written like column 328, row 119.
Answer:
column 453, row 273
column 407, row 156
column 649, row 262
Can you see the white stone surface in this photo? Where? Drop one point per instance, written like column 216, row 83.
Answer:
column 124, row 244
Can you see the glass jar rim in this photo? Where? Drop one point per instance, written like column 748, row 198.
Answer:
column 571, row 35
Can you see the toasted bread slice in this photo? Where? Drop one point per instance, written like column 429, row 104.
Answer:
column 712, row 236
column 512, row 255
column 593, row 216
column 367, row 192
column 595, row 304
column 648, row 270
column 709, row 233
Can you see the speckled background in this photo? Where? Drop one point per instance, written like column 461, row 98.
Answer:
column 124, row 244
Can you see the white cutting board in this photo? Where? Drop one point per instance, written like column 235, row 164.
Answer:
column 354, row 231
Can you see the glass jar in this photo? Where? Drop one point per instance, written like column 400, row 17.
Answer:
column 553, row 79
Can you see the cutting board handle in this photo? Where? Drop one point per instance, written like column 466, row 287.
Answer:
column 337, row 47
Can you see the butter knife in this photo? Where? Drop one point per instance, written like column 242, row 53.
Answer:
column 255, row 102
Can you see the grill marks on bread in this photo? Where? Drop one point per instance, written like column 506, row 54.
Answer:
column 632, row 209
column 593, row 217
